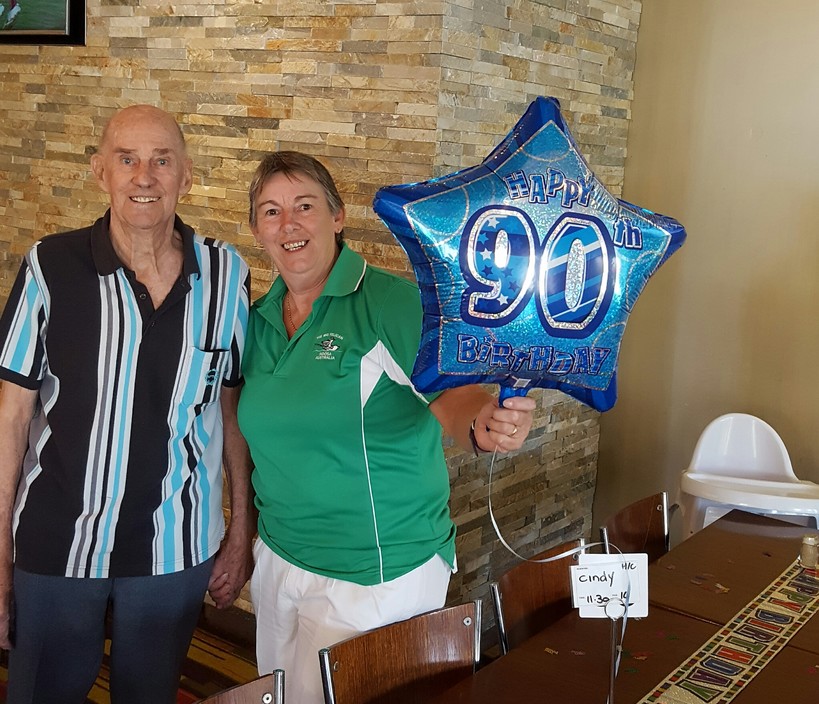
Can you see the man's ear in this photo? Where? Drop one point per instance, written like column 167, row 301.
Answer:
column 187, row 181
column 98, row 169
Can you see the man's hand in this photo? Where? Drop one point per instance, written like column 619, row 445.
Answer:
column 231, row 569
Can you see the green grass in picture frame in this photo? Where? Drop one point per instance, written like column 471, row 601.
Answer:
column 42, row 22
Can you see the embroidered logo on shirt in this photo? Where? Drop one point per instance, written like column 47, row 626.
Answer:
column 327, row 344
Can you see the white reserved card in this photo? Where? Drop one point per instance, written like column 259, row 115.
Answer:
column 603, row 584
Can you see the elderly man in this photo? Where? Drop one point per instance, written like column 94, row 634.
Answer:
column 120, row 352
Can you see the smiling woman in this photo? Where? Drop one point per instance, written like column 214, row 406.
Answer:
column 298, row 229
column 355, row 511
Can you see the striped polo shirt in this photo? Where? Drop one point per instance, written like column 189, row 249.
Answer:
column 123, row 474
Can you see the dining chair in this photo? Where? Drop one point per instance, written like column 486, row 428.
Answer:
column 408, row 661
column 532, row 595
column 268, row 689
column 639, row 527
column 741, row 462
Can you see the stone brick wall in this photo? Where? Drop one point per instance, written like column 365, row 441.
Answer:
column 540, row 495
column 383, row 91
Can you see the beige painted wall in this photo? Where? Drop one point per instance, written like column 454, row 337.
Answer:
column 724, row 138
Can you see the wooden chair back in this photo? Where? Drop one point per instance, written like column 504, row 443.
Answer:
column 408, row 661
column 268, row 689
column 532, row 595
column 639, row 527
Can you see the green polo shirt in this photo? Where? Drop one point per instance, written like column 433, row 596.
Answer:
column 350, row 476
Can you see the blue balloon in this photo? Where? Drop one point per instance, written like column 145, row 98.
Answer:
column 528, row 267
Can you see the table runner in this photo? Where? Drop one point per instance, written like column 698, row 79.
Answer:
column 720, row 669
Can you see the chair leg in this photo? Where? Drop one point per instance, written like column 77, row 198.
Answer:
column 604, row 538
column 497, row 605
column 327, row 676
column 278, row 687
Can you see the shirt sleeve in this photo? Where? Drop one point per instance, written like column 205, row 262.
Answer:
column 400, row 328
column 22, row 328
column 233, row 375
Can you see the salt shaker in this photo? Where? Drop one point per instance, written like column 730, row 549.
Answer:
column 809, row 554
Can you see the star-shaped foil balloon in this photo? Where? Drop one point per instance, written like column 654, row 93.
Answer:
column 528, row 268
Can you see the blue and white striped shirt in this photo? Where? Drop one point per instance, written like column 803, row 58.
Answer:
column 123, row 475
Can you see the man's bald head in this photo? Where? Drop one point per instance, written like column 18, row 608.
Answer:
column 140, row 113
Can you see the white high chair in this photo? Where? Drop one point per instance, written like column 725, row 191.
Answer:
column 741, row 462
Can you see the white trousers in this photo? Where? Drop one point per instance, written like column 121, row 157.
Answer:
column 299, row 612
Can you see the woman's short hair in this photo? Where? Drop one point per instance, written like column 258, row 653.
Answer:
column 294, row 164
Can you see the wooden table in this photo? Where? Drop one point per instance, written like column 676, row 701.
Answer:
column 741, row 552
column 577, row 673
column 568, row 663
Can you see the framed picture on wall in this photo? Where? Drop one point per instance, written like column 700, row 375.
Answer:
column 42, row 21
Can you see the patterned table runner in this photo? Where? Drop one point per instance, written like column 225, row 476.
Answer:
column 725, row 664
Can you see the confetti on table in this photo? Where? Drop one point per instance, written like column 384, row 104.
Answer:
column 721, row 589
column 551, row 651
column 578, row 652
column 641, row 656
